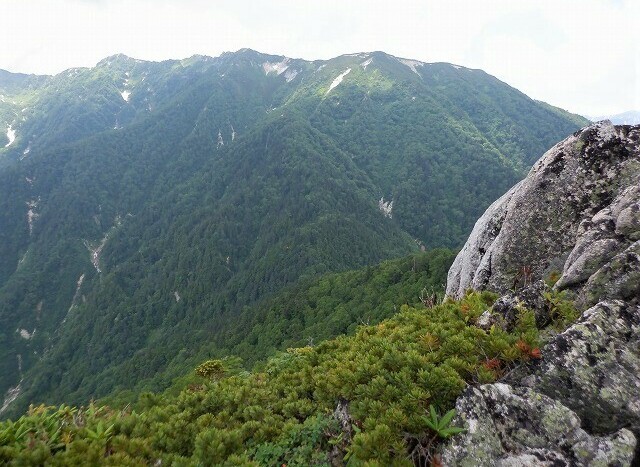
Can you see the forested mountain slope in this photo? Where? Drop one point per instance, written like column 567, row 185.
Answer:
column 379, row 383
column 309, row 312
column 537, row 376
column 144, row 203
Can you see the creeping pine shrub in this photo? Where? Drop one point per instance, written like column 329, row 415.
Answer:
column 394, row 375
column 212, row 369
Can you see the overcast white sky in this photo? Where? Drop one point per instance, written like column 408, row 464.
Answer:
column 581, row 55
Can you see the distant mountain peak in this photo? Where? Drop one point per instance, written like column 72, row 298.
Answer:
column 631, row 117
column 118, row 59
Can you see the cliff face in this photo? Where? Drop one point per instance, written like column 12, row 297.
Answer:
column 575, row 216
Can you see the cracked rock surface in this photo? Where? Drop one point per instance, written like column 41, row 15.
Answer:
column 520, row 427
column 577, row 214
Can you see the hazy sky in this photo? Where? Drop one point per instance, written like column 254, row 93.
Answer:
column 581, row 55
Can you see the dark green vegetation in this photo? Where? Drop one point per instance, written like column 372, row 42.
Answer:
column 188, row 235
column 312, row 311
column 389, row 382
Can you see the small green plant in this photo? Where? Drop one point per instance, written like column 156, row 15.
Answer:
column 101, row 433
column 442, row 425
column 562, row 310
column 304, row 444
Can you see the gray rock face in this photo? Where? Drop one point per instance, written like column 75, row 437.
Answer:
column 579, row 406
column 520, row 427
column 577, row 212
column 594, row 367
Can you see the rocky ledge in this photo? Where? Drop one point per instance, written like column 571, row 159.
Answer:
column 574, row 220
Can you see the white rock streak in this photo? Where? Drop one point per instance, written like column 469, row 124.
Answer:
column 290, row 75
column 177, row 296
column 386, row 207
column 77, row 294
column 220, row 140
column 12, row 393
column 26, row 151
column 32, row 215
column 26, row 334
column 11, row 136
column 278, row 68
column 24, row 257
column 233, row 134
column 412, row 64
column 338, row 80
column 366, row 63
column 125, row 93
column 96, row 251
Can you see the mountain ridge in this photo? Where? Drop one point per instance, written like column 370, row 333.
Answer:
column 144, row 198
column 120, row 57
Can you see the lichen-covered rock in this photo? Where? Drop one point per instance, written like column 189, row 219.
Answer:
column 576, row 212
column 594, row 367
column 509, row 426
column 506, row 310
column 580, row 405
column 577, row 215
column 618, row 278
column 509, row 306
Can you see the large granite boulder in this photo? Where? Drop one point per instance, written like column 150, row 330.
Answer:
column 577, row 214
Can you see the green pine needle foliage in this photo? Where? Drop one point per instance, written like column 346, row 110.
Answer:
column 396, row 377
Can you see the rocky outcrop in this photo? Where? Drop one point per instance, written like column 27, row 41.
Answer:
column 594, row 367
column 580, row 405
column 576, row 216
column 507, row 308
column 345, row 423
column 520, row 427
column 577, row 213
